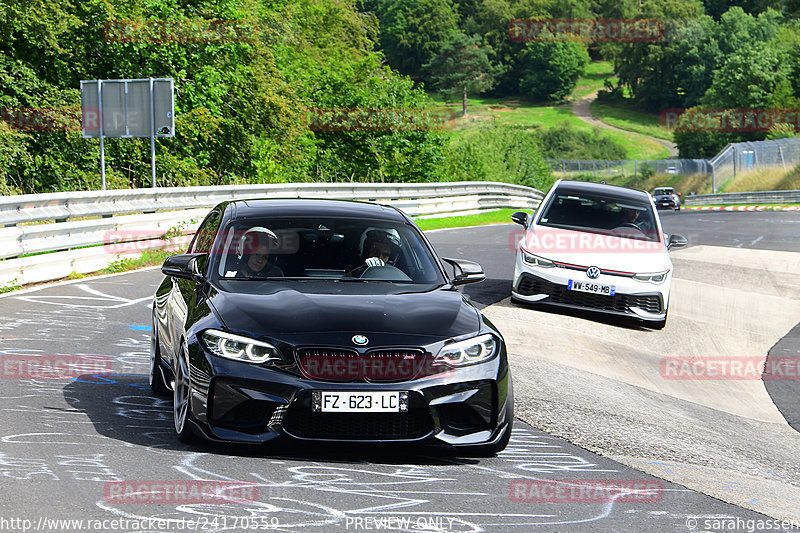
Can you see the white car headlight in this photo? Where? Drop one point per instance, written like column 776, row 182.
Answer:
column 239, row 348
column 652, row 277
column 468, row 352
column 535, row 260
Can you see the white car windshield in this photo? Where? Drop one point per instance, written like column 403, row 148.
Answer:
column 601, row 214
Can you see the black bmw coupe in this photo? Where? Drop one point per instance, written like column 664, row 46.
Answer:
column 328, row 321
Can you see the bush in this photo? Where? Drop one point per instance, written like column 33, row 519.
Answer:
column 564, row 141
column 499, row 153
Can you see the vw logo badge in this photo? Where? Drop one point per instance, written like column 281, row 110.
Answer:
column 593, row 272
column 360, row 340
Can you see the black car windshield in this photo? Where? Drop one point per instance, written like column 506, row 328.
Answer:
column 601, row 214
column 344, row 250
column 663, row 192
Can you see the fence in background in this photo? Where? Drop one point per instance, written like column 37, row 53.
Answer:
column 618, row 167
column 745, row 156
column 730, row 161
column 86, row 231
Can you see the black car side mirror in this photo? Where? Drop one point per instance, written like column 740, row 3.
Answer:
column 520, row 217
column 676, row 241
column 183, row 266
column 470, row 272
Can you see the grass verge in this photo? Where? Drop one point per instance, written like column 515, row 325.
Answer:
column 501, row 216
column 594, row 78
column 628, row 118
column 147, row 259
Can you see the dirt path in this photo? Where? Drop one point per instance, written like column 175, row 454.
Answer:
column 581, row 109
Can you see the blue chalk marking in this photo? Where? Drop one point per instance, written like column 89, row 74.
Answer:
column 134, row 327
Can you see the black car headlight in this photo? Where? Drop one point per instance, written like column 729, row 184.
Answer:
column 238, row 348
column 468, row 352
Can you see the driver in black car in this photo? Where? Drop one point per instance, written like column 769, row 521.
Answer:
column 379, row 247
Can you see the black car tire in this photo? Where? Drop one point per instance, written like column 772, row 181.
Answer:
column 182, row 395
column 157, row 383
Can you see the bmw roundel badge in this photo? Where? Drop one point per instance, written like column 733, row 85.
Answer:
column 360, row 340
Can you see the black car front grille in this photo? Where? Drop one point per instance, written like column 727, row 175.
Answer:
column 300, row 421
column 337, row 364
column 559, row 294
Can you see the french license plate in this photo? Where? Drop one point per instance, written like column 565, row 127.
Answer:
column 359, row 402
column 594, row 288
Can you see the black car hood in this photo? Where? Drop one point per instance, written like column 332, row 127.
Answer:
column 292, row 310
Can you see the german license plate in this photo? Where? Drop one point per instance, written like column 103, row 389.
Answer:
column 594, row 288
column 359, row 402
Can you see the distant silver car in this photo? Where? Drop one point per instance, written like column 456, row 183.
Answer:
column 667, row 198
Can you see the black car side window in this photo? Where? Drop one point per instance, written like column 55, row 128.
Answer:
column 204, row 237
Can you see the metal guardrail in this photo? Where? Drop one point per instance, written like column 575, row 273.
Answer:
column 113, row 224
column 730, row 198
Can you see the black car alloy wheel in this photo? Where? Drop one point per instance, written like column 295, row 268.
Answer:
column 182, row 398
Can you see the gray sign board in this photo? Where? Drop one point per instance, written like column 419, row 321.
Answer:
column 126, row 110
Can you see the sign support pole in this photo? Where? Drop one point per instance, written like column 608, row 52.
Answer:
column 152, row 136
column 102, row 146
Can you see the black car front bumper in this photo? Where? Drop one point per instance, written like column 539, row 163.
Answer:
column 241, row 402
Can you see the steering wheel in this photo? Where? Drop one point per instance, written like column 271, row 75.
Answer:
column 384, row 272
column 630, row 225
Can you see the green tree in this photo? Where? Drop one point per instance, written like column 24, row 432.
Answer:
column 550, row 70
column 462, row 67
column 413, row 31
column 747, row 78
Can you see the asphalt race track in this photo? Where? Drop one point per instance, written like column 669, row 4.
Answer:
column 99, row 446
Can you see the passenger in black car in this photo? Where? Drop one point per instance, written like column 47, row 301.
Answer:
column 253, row 254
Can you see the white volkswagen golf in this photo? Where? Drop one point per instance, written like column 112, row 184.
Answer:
column 596, row 247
